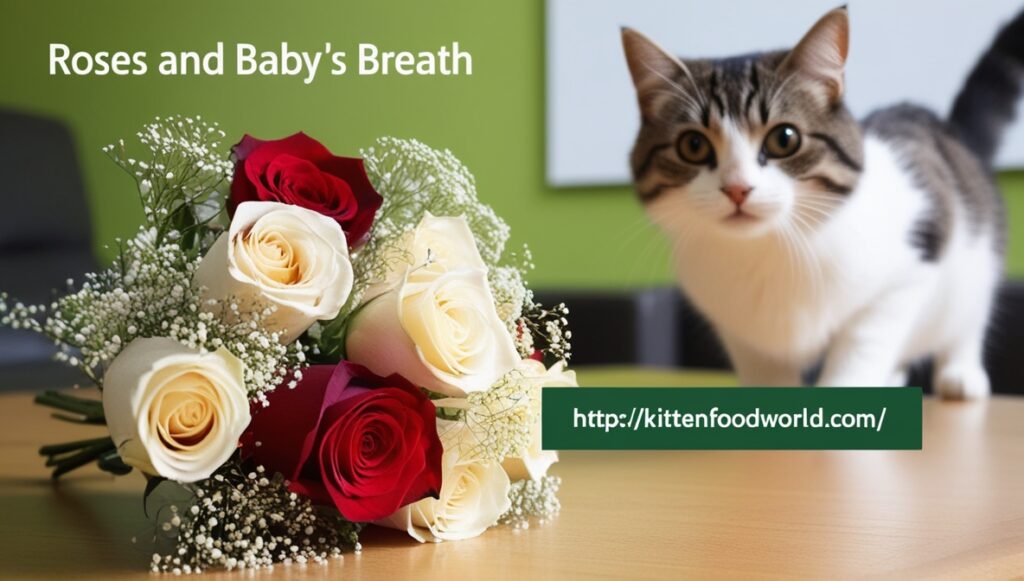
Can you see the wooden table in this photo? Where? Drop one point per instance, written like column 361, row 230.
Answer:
column 955, row 509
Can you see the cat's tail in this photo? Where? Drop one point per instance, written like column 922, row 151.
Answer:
column 987, row 103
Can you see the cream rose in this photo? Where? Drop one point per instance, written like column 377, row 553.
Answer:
column 535, row 461
column 437, row 325
column 440, row 243
column 286, row 256
column 474, row 494
column 172, row 411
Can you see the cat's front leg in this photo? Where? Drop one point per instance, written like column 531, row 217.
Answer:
column 868, row 351
column 755, row 369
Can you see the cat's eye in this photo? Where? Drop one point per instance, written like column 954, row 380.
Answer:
column 782, row 141
column 695, row 148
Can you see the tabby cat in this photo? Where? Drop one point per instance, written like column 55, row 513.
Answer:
column 808, row 237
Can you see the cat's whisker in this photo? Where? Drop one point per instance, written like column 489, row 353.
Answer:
column 816, row 273
column 820, row 214
column 791, row 252
column 823, row 202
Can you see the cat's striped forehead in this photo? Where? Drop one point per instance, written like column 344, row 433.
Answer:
column 743, row 89
column 738, row 88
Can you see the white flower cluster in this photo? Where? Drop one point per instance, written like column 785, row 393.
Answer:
column 552, row 326
column 180, row 182
column 416, row 179
column 497, row 421
column 249, row 521
column 533, row 498
column 148, row 292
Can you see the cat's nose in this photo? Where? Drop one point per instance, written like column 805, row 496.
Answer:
column 737, row 193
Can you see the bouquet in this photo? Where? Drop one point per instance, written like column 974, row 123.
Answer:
column 296, row 344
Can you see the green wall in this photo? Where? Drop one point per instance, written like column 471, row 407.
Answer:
column 493, row 120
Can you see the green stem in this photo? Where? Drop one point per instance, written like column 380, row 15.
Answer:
column 90, row 409
column 79, row 459
column 55, row 449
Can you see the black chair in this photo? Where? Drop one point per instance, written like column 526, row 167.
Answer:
column 621, row 327
column 659, row 327
column 45, row 238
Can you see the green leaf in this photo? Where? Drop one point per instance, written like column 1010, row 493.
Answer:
column 89, row 411
column 66, row 463
column 151, row 485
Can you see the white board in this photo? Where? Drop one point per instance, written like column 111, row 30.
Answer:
column 900, row 50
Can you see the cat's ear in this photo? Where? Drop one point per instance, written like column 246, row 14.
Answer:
column 652, row 67
column 821, row 54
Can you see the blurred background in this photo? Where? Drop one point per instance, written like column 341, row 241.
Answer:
column 63, row 200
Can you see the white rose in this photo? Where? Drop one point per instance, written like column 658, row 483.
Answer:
column 474, row 494
column 438, row 326
column 445, row 242
column 286, row 256
column 534, row 462
column 172, row 411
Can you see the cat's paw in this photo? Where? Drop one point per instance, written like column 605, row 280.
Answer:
column 962, row 382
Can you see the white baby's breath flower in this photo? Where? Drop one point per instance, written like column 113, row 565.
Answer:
column 533, row 462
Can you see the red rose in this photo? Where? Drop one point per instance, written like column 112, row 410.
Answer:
column 367, row 444
column 298, row 170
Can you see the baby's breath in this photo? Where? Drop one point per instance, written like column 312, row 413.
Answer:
column 533, row 499
column 180, row 179
column 247, row 521
column 498, row 420
column 414, row 179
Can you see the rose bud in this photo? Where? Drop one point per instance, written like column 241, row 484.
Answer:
column 298, row 170
column 172, row 411
column 474, row 495
column 435, row 322
column 344, row 436
column 285, row 256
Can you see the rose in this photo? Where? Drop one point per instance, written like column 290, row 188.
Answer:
column 287, row 256
column 474, row 494
column 366, row 444
column 535, row 461
column 439, row 329
column 298, row 170
column 439, row 243
column 172, row 411
column 435, row 322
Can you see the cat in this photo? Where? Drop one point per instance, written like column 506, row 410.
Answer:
column 806, row 237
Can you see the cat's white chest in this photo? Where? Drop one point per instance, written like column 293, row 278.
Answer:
column 769, row 300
